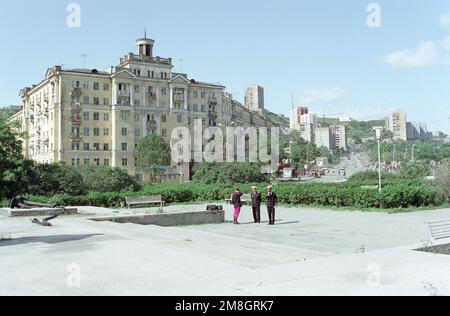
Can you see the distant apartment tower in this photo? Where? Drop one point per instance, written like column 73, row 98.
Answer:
column 340, row 132
column 325, row 138
column 301, row 120
column 397, row 125
column 333, row 137
column 254, row 98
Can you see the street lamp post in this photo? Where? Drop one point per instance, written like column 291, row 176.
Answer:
column 379, row 135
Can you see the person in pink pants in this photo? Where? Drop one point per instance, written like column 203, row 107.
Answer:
column 236, row 201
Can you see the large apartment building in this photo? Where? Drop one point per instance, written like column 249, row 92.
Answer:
column 92, row 117
column 254, row 99
column 304, row 122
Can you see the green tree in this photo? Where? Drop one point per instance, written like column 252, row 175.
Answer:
column 15, row 171
column 153, row 155
column 106, row 179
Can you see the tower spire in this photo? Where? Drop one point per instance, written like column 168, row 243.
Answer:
column 145, row 33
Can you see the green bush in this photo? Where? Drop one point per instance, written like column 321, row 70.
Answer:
column 228, row 173
column 395, row 194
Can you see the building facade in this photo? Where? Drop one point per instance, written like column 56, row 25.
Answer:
column 91, row 117
column 304, row 122
column 254, row 99
column 397, row 125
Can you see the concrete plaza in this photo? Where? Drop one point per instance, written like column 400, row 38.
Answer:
column 308, row 252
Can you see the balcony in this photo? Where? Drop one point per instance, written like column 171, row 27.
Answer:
column 75, row 91
column 212, row 102
column 151, row 95
column 178, row 98
column 75, row 121
column 75, row 107
column 46, row 141
column 152, row 124
column 74, row 138
column 123, row 94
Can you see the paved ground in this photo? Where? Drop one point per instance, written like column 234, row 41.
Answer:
column 309, row 252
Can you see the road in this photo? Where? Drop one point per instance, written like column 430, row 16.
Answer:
column 348, row 166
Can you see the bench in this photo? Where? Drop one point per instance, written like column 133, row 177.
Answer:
column 439, row 230
column 245, row 199
column 144, row 200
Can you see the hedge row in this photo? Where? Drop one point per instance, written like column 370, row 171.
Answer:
column 399, row 194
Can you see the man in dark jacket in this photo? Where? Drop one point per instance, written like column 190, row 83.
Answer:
column 256, row 204
column 236, row 201
column 272, row 201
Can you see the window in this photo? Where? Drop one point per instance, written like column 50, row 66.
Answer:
column 124, row 116
column 179, row 119
column 124, row 146
column 105, row 101
column 96, row 86
column 86, row 146
column 106, row 162
column 86, row 131
column 124, row 131
column 163, row 91
column 137, row 132
column 86, row 161
column 195, row 94
column 124, row 162
column 106, row 116
column 203, row 108
column 164, row 133
column 203, row 95
column 137, row 117
column 96, row 116
column 106, row 132
column 96, row 101
column 105, row 87
column 96, row 131
column 164, row 118
column 137, row 103
column 162, row 104
column 137, row 89
column 86, row 116
column 97, row 162
column 85, row 100
column 195, row 107
column 106, row 147
column 76, row 146
column 96, row 146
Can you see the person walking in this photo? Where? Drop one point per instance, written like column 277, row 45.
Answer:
column 236, row 201
column 256, row 204
column 272, row 201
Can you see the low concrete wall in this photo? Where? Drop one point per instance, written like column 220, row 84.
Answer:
column 37, row 212
column 169, row 219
